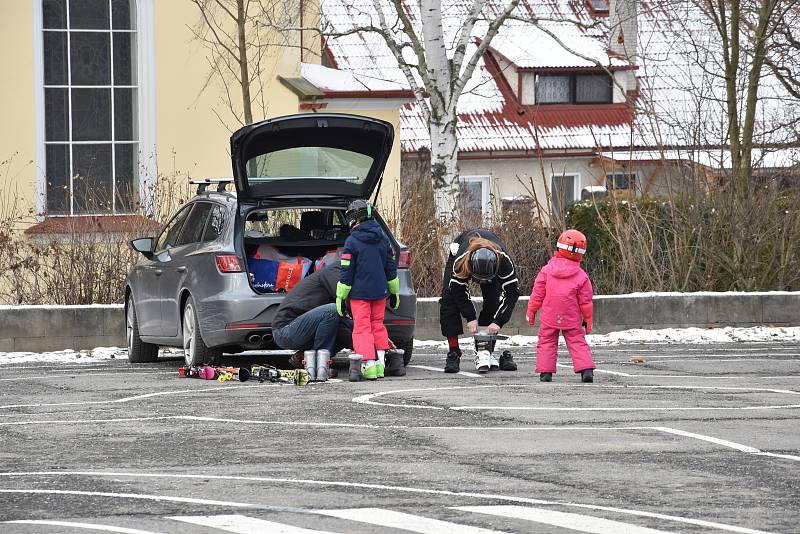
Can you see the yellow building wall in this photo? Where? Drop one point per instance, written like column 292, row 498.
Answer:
column 17, row 105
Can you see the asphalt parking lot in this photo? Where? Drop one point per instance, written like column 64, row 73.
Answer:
column 694, row 439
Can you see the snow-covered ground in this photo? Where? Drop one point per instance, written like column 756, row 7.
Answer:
column 667, row 335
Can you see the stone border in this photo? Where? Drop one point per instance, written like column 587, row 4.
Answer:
column 45, row 328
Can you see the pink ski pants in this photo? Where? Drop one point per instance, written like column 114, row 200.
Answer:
column 547, row 349
column 369, row 332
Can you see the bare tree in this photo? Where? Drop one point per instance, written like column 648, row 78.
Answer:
column 438, row 61
column 243, row 39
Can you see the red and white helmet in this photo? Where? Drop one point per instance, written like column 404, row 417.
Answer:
column 571, row 245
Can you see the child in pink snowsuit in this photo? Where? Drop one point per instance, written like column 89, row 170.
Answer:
column 563, row 293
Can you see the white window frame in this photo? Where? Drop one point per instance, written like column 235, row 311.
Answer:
column 486, row 183
column 576, row 183
column 145, row 67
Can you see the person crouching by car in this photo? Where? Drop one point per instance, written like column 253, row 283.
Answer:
column 369, row 275
column 477, row 255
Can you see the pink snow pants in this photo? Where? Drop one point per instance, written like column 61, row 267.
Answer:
column 369, row 332
column 547, row 349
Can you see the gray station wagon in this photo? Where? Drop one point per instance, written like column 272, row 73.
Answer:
column 213, row 278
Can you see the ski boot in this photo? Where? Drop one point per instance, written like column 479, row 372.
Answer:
column 494, row 365
column 587, row 375
column 452, row 365
column 546, row 377
column 323, row 365
column 507, row 363
column 484, row 361
column 380, row 363
column 355, row 368
column 394, row 362
column 369, row 369
column 310, row 364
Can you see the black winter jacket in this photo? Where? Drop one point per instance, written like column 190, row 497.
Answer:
column 313, row 291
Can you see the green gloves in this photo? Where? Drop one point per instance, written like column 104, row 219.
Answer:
column 342, row 292
column 394, row 292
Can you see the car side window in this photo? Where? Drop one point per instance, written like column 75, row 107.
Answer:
column 215, row 223
column 170, row 234
column 195, row 223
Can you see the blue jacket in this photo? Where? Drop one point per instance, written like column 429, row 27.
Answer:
column 371, row 262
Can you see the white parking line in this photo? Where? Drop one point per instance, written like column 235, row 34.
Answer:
column 240, row 524
column 138, row 496
column 85, row 526
column 61, row 377
column 403, row 521
column 372, row 487
column 463, row 373
column 579, row 522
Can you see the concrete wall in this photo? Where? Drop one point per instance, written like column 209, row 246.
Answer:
column 43, row 328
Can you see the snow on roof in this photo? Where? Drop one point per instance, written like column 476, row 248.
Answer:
column 333, row 80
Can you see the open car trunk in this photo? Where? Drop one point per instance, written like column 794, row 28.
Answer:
column 284, row 245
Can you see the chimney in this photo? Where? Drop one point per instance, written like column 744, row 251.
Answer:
column 624, row 28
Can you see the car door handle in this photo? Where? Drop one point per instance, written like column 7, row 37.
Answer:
column 158, row 272
column 182, row 269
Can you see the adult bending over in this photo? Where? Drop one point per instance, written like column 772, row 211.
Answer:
column 477, row 255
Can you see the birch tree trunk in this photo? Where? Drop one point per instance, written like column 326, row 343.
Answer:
column 444, row 165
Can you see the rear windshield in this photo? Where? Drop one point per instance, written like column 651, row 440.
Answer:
column 309, row 162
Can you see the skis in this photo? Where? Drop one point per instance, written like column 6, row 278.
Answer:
column 267, row 373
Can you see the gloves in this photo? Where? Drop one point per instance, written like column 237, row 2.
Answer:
column 342, row 292
column 586, row 311
column 533, row 307
column 394, row 292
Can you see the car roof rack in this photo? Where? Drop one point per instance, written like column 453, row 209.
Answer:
column 205, row 182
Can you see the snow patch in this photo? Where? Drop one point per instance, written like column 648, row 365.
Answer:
column 688, row 336
column 95, row 355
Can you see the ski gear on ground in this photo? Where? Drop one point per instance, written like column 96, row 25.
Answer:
column 571, row 245
column 368, row 262
column 587, row 376
column 310, row 364
column 323, row 366
column 500, row 294
column 369, row 332
column 482, row 361
column 394, row 363
column 545, row 377
column 507, row 362
column 453, row 362
column 547, row 349
column 494, row 364
column 355, row 368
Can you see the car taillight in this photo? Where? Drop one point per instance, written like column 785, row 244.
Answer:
column 228, row 263
column 404, row 262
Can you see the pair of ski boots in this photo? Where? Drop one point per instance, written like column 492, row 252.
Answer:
column 318, row 365
column 587, row 376
column 388, row 363
column 485, row 359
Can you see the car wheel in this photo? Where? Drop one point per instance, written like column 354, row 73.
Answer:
column 409, row 349
column 195, row 351
column 138, row 350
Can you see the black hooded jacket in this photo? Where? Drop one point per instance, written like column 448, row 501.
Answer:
column 313, row 291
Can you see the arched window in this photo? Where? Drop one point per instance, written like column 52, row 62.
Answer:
column 90, row 86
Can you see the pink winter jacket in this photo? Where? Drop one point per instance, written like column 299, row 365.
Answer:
column 563, row 292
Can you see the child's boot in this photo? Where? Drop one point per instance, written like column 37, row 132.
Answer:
column 546, row 377
column 310, row 364
column 380, row 363
column 587, row 375
column 355, row 368
column 507, row 362
column 394, row 363
column 369, row 369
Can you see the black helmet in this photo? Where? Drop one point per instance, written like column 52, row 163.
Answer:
column 358, row 211
column 483, row 264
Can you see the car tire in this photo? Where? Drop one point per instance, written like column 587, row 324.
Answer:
column 138, row 350
column 409, row 349
column 195, row 351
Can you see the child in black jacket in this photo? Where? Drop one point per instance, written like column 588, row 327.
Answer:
column 369, row 275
